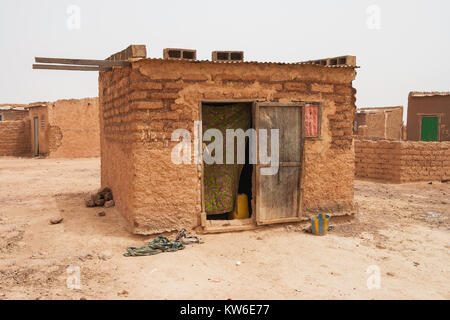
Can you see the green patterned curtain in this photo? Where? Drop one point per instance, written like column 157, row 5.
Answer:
column 222, row 180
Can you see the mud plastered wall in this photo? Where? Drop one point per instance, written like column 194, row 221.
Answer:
column 141, row 105
column 73, row 129
column 402, row 161
column 15, row 138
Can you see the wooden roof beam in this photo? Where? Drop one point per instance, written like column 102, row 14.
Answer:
column 67, row 67
column 84, row 62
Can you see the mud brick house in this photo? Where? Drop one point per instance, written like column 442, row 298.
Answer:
column 142, row 104
column 428, row 116
column 380, row 122
column 13, row 112
column 65, row 128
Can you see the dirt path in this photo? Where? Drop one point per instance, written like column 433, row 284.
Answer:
column 401, row 230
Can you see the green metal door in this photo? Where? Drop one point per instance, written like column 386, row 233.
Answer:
column 429, row 131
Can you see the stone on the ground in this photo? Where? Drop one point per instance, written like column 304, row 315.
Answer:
column 56, row 220
column 100, row 202
column 109, row 204
column 123, row 292
column 89, row 203
column 101, row 213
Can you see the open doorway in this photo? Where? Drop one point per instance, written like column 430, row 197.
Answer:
column 227, row 187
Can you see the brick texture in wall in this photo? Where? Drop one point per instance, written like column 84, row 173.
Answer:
column 402, row 161
column 141, row 105
column 15, row 138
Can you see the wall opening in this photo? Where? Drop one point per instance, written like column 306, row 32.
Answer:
column 228, row 187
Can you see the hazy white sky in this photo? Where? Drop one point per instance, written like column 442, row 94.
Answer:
column 409, row 51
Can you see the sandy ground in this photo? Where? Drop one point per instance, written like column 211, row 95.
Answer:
column 401, row 230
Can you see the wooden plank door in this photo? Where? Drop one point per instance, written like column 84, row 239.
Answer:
column 278, row 195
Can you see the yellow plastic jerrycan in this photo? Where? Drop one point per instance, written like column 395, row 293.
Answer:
column 241, row 206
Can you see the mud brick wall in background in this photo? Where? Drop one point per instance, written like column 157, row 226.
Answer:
column 13, row 115
column 141, row 105
column 15, row 138
column 402, row 161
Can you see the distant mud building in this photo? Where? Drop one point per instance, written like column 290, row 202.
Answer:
column 14, row 112
column 429, row 116
column 383, row 123
column 60, row 129
column 65, row 128
column 426, row 154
